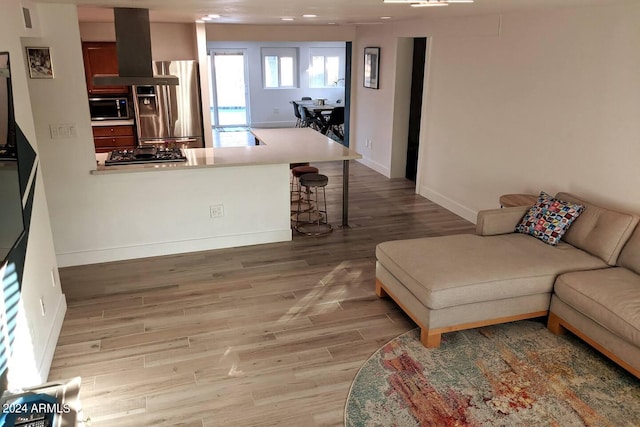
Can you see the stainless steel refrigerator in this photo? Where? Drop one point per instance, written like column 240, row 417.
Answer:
column 170, row 115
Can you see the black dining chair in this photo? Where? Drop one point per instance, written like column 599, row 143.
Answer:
column 335, row 123
column 308, row 119
column 296, row 112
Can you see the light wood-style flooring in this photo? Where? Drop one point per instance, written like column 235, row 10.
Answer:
column 268, row 335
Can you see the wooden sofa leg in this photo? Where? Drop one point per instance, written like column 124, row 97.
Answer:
column 429, row 339
column 553, row 324
column 380, row 290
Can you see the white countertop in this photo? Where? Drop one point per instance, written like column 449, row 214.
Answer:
column 279, row 146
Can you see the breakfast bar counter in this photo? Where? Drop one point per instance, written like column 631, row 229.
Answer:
column 276, row 146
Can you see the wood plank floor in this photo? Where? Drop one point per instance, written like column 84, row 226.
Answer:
column 268, row 335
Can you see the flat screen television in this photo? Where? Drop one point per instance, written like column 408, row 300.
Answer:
column 12, row 227
column 11, row 222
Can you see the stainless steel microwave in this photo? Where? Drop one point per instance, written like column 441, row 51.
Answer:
column 109, row 108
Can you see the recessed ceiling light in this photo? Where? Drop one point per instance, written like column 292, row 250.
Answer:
column 309, row 16
column 385, row 17
column 214, row 16
column 426, row 3
column 287, row 19
column 199, row 21
column 206, row 18
column 429, row 4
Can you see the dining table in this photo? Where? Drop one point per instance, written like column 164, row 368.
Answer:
column 320, row 111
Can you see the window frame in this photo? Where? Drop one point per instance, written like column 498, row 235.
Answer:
column 327, row 53
column 280, row 53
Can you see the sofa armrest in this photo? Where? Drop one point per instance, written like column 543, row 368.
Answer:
column 499, row 221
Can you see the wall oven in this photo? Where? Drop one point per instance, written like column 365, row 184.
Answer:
column 109, row 108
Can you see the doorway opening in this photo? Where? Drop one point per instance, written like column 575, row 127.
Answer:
column 229, row 89
column 415, row 109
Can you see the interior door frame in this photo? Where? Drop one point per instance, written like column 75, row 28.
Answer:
column 214, row 92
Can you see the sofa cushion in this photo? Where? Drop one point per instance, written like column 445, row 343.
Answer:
column 610, row 297
column 599, row 231
column 630, row 255
column 452, row 270
column 548, row 219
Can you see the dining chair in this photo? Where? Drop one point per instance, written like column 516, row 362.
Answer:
column 306, row 98
column 335, row 123
column 308, row 119
column 296, row 112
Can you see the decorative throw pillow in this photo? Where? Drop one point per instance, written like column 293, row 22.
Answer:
column 548, row 219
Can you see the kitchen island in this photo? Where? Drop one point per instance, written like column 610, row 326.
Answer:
column 277, row 146
column 217, row 198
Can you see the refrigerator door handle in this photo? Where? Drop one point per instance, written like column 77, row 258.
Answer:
column 169, row 118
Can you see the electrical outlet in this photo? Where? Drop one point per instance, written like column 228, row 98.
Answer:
column 216, row 211
column 276, row 111
column 368, row 143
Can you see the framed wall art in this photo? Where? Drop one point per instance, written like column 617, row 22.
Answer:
column 371, row 67
column 40, row 66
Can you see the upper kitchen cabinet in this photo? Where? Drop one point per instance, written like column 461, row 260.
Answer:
column 101, row 58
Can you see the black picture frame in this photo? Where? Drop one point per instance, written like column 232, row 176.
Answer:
column 371, row 67
column 39, row 61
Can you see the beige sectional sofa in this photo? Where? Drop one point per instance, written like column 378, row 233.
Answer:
column 603, row 307
column 457, row 282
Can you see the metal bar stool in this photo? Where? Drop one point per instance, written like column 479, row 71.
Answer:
column 314, row 220
column 296, row 172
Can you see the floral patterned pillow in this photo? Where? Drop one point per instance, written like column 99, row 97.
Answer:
column 548, row 219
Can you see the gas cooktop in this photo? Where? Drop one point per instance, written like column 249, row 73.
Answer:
column 145, row 155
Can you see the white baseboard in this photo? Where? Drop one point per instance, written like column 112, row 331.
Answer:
column 45, row 364
column 171, row 248
column 375, row 166
column 447, row 203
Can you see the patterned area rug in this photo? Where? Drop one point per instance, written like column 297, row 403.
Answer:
column 516, row 374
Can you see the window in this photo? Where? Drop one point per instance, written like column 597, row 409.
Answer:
column 325, row 67
column 279, row 67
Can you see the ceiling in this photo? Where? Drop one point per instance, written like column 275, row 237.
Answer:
column 343, row 12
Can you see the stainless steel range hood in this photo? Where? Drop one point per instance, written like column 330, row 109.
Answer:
column 133, row 44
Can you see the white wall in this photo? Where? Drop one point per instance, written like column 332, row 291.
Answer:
column 550, row 104
column 373, row 109
column 271, row 107
column 401, row 108
column 519, row 103
column 36, row 333
column 373, row 112
column 169, row 41
column 276, row 33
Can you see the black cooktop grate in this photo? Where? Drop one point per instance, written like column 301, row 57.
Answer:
column 128, row 157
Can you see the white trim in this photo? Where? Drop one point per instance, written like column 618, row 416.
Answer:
column 32, row 177
column 381, row 169
column 171, row 248
column 52, row 341
column 447, row 203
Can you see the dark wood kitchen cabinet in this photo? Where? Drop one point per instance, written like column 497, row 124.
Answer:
column 108, row 138
column 101, row 58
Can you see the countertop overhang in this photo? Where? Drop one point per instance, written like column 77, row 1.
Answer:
column 278, row 146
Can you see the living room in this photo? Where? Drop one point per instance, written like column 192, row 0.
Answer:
column 505, row 92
